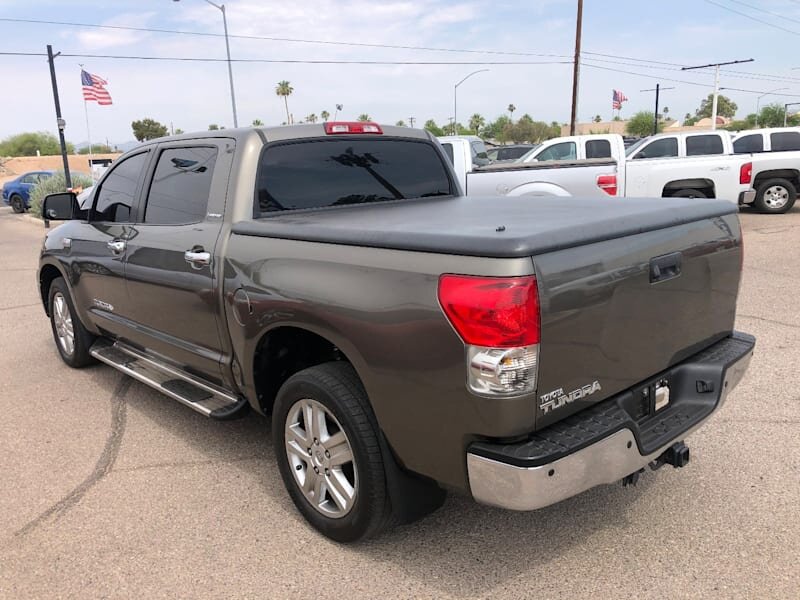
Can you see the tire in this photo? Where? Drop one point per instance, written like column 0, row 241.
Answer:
column 775, row 196
column 17, row 203
column 346, row 501
column 689, row 193
column 72, row 339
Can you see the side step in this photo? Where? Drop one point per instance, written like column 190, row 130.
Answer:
column 206, row 398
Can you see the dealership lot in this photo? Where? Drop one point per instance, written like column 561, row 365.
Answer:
column 110, row 489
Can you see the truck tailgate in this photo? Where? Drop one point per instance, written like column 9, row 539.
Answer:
column 615, row 314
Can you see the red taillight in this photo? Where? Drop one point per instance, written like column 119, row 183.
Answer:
column 497, row 312
column 352, row 127
column 746, row 173
column 608, row 183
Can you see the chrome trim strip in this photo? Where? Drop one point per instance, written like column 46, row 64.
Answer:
column 607, row 461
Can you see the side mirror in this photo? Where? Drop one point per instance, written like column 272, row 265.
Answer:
column 60, row 207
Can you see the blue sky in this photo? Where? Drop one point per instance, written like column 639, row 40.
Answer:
column 193, row 95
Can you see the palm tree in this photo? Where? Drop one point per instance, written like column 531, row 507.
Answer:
column 338, row 110
column 364, row 117
column 312, row 118
column 597, row 119
column 324, row 115
column 257, row 122
column 511, row 108
column 285, row 89
column 476, row 121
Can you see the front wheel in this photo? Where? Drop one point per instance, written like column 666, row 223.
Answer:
column 775, row 196
column 72, row 339
column 17, row 203
column 328, row 452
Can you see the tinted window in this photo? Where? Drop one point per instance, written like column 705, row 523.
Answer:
column 562, row 151
column 598, row 149
column 698, row 145
column 32, row 178
column 749, row 143
column 448, row 149
column 181, row 186
column 478, row 149
column 334, row 172
column 664, row 147
column 785, row 140
column 117, row 193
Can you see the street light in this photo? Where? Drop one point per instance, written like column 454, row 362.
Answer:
column 221, row 7
column 455, row 97
column 758, row 100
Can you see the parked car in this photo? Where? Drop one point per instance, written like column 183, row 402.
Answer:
column 504, row 153
column 17, row 191
column 405, row 339
column 776, row 165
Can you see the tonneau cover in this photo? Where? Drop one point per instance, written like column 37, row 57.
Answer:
column 485, row 226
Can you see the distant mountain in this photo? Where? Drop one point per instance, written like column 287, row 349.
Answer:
column 123, row 147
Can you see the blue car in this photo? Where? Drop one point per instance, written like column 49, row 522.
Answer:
column 17, row 192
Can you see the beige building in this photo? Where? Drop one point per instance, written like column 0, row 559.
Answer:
column 619, row 126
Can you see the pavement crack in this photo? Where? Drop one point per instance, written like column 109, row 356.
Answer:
column 773, row 321
column 19, row 306
column 104, row 463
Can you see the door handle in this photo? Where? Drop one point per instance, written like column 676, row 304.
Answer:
column 665, row 267
column 116, row 246
column 197, row 257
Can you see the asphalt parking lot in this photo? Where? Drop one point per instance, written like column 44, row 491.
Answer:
column 109, row 489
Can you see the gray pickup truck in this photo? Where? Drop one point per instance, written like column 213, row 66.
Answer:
column 406, row 339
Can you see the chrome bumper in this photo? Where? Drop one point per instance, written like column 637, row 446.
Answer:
column 747, row 197
column 607, row 461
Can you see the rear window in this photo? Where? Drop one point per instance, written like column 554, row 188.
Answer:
column 448, row 149
column 660, row 148
column 598, row 149
column 785, row 140
column 700, row 145
column 748, row 143
column 334, row 172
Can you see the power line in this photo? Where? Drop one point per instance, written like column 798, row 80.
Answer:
column 764, row 10
column 275, row 39
column 738, row 12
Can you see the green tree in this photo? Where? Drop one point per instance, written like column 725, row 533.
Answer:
column 400, row 123
column 725, row 107
column 285, row 89
column 772, row 115
column 511, row 108
column 26, row 144
column 641, row 124
column 430, row 125
column 324, row 115
column 148, row 129
column 96, row 149
column 53, row 185
column 213, row 127
column 665, row 110
column 258, row 123
column 496, row 129
column 597, row 119
column 179, row 131
column 476, row 122
column 363, row 117
column 312, row 118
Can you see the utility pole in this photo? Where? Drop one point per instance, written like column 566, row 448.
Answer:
column 576, row 68
column 59, row 121
column 716, row 83
column 655, row 114
column 411, row 121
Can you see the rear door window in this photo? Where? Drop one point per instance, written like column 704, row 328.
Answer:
column 598, row 149
column 448, row 149
column 783, row 141
column 117, row 194
column 703, row 145
column 181, row 186
column 748, row 143
column 661, row 148
column 561, row 151
column 334, row 172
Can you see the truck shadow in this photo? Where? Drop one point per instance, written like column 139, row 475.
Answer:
column 462, row 546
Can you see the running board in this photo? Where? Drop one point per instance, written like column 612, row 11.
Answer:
column 206, row 398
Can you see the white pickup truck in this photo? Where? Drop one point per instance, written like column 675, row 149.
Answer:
column 684, row 165
column 776, row 165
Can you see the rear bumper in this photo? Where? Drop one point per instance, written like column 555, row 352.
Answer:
column 747, row 197
column 610, row 440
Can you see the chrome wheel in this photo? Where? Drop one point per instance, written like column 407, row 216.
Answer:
column 321, row 458
column 776, row 197
column 62, row 319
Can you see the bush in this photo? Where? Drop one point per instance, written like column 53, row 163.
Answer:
column 53, row 185
column 26, row 144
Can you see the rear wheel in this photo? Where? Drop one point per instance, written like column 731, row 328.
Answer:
column 689, row 193
column 72, row 339
column 17, row 203
column 775, row 196
column 328, row 452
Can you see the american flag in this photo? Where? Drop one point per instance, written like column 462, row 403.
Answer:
column 617, row 99
column 94, row 88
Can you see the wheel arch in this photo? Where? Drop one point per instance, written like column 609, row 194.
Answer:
column 701, row 183
column 793, row 175
column 48, row 273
